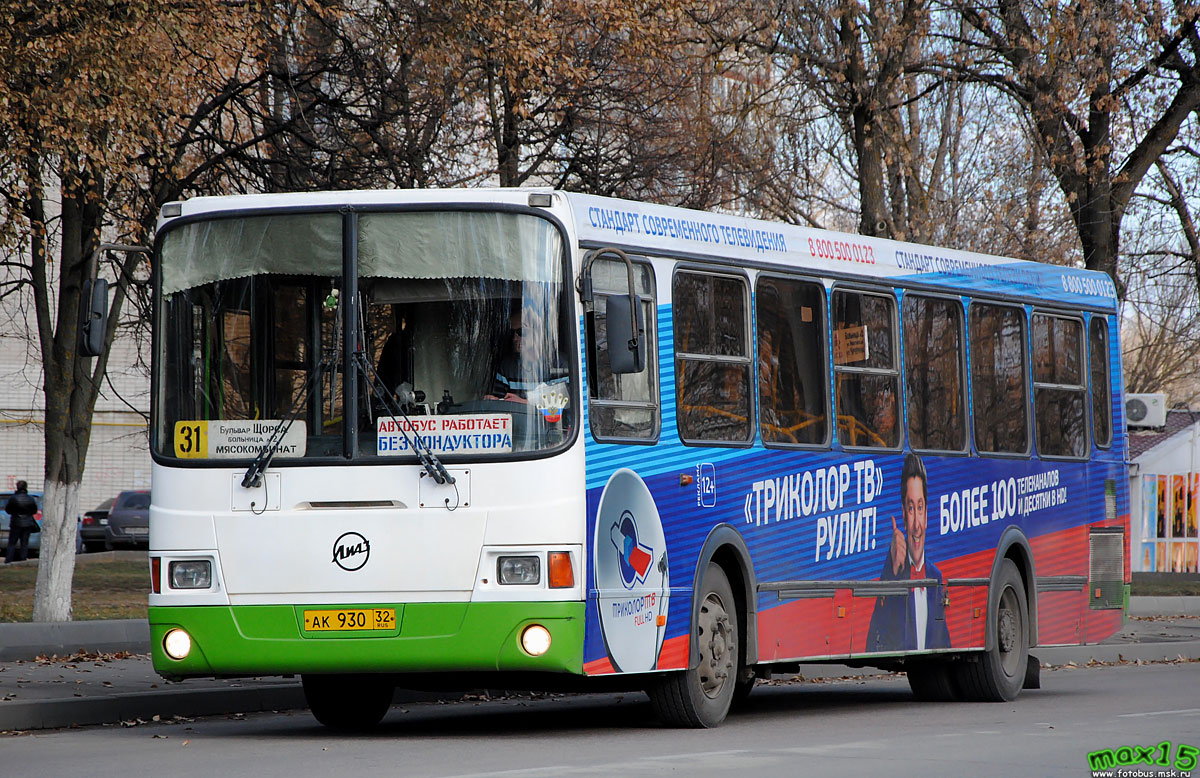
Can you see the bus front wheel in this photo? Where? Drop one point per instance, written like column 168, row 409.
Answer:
column 348, row 702
column 701, row 696
column 999, row 673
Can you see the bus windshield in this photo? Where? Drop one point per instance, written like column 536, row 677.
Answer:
column 459, row 333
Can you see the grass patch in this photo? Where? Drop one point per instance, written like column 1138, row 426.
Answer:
column 1167, row 588
column 105, row 590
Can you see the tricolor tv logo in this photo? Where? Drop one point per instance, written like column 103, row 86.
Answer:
column 634, row 557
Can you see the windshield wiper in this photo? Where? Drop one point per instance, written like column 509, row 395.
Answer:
column 429, row 460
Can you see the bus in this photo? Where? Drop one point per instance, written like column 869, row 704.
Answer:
column 527, row 438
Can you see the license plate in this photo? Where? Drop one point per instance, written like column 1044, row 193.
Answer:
column 346, row 619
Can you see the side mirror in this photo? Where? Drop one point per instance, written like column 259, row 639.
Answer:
column 93, row 317
column 626, row 348
column 625, row 320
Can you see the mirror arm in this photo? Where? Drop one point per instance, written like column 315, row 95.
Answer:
column 93, row 268
column 93, row 308
column 585, row 292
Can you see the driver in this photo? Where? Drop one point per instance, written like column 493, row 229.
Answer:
column 526, row 363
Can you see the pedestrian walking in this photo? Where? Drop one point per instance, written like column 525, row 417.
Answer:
column 21, row 508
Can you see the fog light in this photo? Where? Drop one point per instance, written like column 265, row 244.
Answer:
column 177, row 644
column 535, row 640
column 191, row 574
column 523, row 570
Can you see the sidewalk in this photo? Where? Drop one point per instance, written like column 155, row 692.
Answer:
column 102, row 672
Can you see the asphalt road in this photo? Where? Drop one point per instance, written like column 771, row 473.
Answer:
column 852, row 728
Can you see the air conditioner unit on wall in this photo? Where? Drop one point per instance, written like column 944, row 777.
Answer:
column 1146, row 410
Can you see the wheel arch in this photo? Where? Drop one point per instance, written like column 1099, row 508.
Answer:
column 726, row 547
column 1013, row 545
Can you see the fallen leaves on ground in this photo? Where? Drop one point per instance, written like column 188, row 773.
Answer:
column 84, row 656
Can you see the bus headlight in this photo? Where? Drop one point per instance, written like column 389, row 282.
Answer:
column 177, row 644
column 535, row 640
column 523, row 570
column 192, row 574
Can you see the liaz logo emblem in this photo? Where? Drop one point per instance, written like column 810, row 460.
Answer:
column 351, row 551
column 634, row 557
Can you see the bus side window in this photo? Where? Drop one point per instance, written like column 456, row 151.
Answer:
column 790, row 324
column 625, row 406
column 998, row 394
column 1059, row 391
column 935, row 382
column 714, row 396
column 1101, row 386
column 866, row 373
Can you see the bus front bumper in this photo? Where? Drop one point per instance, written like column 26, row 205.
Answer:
column 427, row 637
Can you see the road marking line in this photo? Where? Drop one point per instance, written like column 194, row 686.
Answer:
column 1159, row 713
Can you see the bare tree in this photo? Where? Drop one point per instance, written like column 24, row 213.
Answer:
column 904, row 148
column 1161, row 337
column 852, row 56
column 1162, row 256
column 1105, row 84
column 80, row 86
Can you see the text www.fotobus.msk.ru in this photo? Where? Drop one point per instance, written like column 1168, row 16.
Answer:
column 1153, row 761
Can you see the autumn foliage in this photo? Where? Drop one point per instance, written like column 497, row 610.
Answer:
column 1013, row 127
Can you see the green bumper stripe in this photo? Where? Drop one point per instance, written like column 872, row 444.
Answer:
column 270, row 639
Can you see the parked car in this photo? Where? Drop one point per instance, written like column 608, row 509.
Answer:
column 35, row 539
column 129, row 521
column 93, row 525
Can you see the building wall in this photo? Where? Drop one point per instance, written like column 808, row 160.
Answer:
column 1170, row 545
column 118, row 455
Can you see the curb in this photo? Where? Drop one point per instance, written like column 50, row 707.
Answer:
column 1164, row 606
column 25, row 640
column 1116, row 652
column 58, row 713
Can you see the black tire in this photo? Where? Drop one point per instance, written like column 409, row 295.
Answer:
column 933, row 681
column 348, row 703
column 701, row 697
column 746, row 681
column 999, row 673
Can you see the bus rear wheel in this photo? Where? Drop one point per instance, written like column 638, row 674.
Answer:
column 348, row 703
column 701, row 696
column 999, row 673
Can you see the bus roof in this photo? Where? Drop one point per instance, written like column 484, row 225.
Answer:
column 680, row 232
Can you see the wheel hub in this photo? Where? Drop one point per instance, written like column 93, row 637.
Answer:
column 716, row 646
column 1007, row 631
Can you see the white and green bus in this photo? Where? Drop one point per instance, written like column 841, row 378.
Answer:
column 519, row 438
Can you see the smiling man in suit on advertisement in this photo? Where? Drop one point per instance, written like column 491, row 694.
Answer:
column 916, row 619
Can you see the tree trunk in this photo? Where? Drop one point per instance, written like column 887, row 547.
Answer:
column 56, row 568
column 71, row 386
column 1099, row 229
column 872, row 194
column 866, row 133
column 508, row 151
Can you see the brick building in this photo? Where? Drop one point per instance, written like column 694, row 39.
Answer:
column 118, row 455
